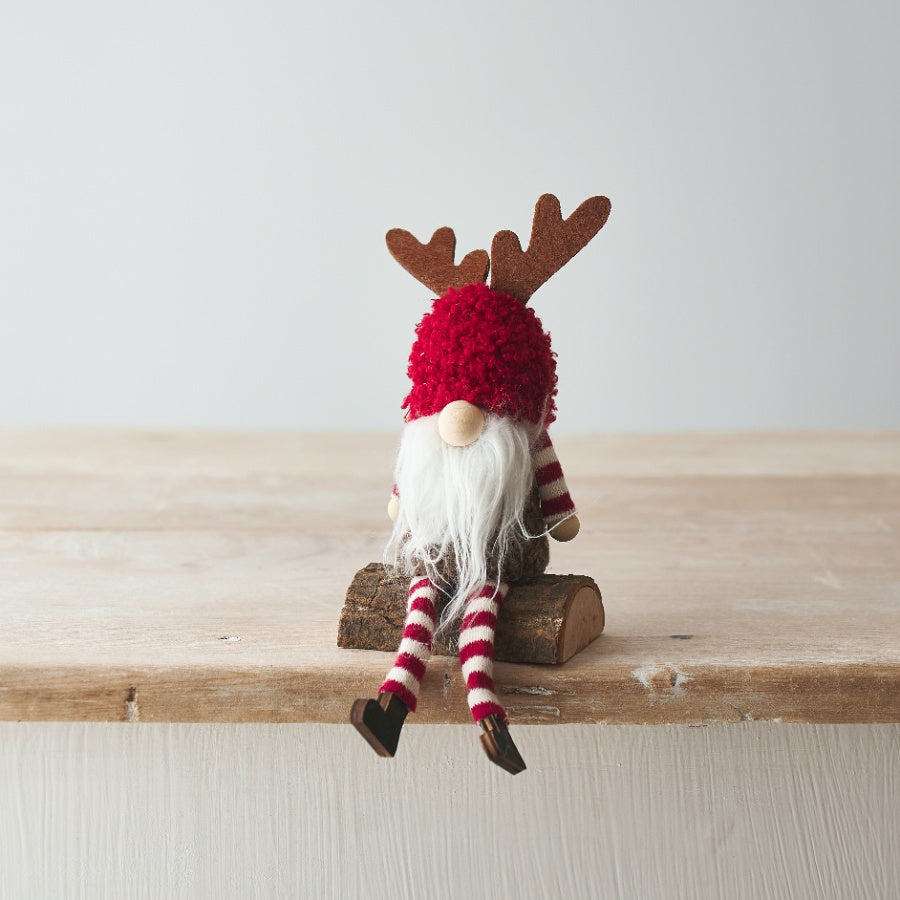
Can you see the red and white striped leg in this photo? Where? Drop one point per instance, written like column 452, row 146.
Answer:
column 476, row 654
column 379, row 721
column 414, row 651
column 476, row 650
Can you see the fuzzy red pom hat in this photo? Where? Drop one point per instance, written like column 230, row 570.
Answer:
column 487, row 348
column 483, row 344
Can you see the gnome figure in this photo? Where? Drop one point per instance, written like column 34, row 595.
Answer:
column 477, row 486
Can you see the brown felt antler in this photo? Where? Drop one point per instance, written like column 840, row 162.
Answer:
column 432, row 263
column 553, row 243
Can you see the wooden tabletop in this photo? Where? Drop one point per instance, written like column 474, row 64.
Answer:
column 198, row 576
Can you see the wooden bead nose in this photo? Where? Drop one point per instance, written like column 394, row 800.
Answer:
column 460, row 423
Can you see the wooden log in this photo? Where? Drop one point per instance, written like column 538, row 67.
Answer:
column 546, row 619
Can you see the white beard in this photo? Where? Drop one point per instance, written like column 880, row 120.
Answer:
column 460, row 504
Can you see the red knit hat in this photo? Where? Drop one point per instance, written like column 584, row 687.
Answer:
column 485, row 347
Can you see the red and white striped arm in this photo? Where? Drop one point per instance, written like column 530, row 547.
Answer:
column 394, row 503
column 556, row 502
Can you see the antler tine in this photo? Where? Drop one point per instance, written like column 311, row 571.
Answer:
column 553, row 243
column 432, row 263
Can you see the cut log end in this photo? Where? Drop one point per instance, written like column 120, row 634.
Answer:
column 583, row 621
column 547, row 619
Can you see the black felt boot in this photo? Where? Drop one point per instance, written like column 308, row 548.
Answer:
column 499, row 745
column 379, row 721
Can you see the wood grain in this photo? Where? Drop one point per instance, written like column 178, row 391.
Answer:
column 544, row 620
column 744, row 577
column 207, row 812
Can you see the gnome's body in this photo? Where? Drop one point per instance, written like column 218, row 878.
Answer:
column 478, row 486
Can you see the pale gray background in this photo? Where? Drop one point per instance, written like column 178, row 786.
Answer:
column 193, row 198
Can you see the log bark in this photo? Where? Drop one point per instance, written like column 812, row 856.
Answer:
column 546, row 619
